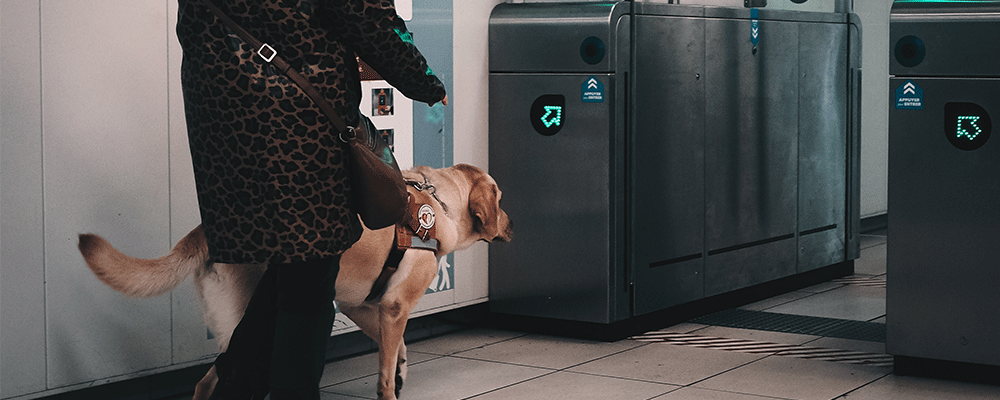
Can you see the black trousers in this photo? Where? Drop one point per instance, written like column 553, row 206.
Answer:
column 280, row 343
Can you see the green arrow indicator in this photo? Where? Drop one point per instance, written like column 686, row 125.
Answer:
column 548, row 119
column 960, row 131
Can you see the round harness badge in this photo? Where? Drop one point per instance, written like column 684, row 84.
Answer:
column 426, row 216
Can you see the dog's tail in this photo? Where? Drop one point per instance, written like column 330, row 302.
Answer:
column 144, row 277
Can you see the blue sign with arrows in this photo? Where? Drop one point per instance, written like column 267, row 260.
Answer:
column 909, row 96
column 592, row 91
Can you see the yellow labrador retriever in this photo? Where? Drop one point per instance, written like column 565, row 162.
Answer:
column 466, row 209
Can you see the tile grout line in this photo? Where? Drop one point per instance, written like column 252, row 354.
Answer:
column 845, row 395
column 510, row 385
column 567, row 370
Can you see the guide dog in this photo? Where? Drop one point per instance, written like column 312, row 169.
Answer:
column 466, row 207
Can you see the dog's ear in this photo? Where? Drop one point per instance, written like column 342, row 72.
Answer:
column 483, row 206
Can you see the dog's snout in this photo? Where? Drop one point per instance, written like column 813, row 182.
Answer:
column 507, row 233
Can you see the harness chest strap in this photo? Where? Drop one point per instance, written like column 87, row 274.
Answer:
column 419, row 226
column 416, row 231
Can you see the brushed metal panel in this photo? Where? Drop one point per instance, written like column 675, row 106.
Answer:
column 712, row 157
column 823, row 128
column 822, row 124
column 821, row 249
column 751, row 132
column 942, row 259
column 557, row 191
column 953, row 35
column 773, row 14
column 815, row 5
column 668, row 161
column 669, row 285
column 737, row 269
column 853, row 182
column 546, row 37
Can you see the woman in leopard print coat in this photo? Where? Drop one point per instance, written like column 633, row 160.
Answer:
column 271, row 175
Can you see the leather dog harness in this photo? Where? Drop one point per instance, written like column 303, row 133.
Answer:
column 417, row 230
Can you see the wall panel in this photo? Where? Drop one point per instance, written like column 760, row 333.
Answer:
column 22, row 302
column 105, row 162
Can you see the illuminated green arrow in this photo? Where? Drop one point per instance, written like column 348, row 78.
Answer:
column 959, row 131
column 548, row 119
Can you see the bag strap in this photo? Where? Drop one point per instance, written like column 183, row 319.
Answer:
column 270, row 55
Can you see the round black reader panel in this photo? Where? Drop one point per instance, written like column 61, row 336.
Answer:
column 592, row 50
column 548, row 113
column 967, row 125
column 910, row 51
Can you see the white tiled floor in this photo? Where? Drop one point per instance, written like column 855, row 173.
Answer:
column 493, row 364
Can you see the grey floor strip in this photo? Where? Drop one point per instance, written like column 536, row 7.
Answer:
column 801, row 324
column 858, row 280
column 757, row 347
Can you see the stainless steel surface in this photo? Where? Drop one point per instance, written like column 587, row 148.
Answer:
column 853, row 207
column 732, row 170
column 960, row 38
column 559, row 190
column 822, row 143
column 685, row 9
column 668, row 162
column 546, row 37
column 942, row 257
column 747, row 266
column 838, row 6
column 565, row 191
column 751, row 133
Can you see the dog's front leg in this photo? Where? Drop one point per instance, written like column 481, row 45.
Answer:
column 368, row 319
column 392, row 323
column 416, row 271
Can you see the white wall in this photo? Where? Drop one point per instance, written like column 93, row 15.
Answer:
column 94, row 140
column 472, row 119
column 22, row 344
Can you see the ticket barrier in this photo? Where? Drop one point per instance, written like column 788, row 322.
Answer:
column 943, row 263
column 653, row 155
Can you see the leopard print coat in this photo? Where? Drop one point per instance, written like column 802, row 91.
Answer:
column 270, row 173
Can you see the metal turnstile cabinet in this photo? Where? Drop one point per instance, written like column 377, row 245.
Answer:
column 943, row 263
column 686, row 162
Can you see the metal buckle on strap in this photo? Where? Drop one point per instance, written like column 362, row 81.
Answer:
column 270, row 50
column 426, row 185
column 351, row 134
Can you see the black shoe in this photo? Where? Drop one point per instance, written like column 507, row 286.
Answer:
column 238, row 383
